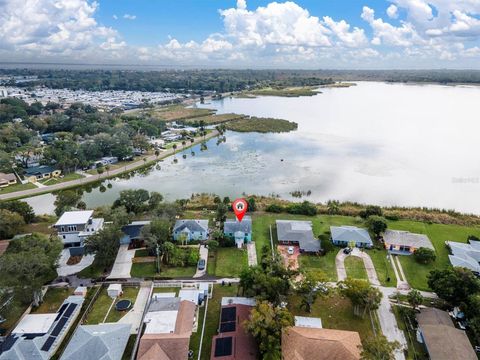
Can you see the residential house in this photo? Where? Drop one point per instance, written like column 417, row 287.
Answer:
column 104, row 161
column 299, row 233
column 7, row 179
column 74, row 226
column 233, row 342
column 346, row 235
column 465, row 255
column 33, row 174
column 38, row 336
column 169, row 322
column 442, row 340
column 239, row 231
column 132, row 233
column 30, row 159
column 405, row 243
column 308, row 340
column 102, row 341
column 190, row 229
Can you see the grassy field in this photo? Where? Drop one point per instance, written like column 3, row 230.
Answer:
column 320, row 265
column 355, row 268
column 262, row 125
column 229, row 262
column 148, row 270
column 68, row 177
column 129, row 293
column 286, row 92
column 213, row 119
column 52, row 300
column 17, row 187
column 177, row 112
column 213, row 315
column 336, row 312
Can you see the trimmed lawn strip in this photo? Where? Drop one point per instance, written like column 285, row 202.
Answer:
column 68, row 177
column 212, row 262
column 141, row 253
column 213, row 316
column 355, row 268
column 336, row 312
column 99, row 308
column 195, row 338
column 230, row 262
column 52, row 300
column 175, row 290
column 129, row 293
column 148, row 270
column 17, row 187
column 383, row 267
column 127, row 354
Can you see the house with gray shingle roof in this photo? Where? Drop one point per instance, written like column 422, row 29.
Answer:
column 346, row 235
column 290, row 232
column 104, row 342
column 405, row 243
column 239, row 231
column 190, row 229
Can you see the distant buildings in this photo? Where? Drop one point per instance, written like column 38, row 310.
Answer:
column 190, row 229
column 239, row 231
column 7, row 179
column 74, row 226
column 404, row 242
column 346, row 235
column 297, row 233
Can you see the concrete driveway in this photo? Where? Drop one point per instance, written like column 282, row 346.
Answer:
column 203, row 255
column 65, row 270
column 123, row 263
column 134, row 316
column 367, row 262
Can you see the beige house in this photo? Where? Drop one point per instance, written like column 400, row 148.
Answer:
column 405, row 243
column 7, row 179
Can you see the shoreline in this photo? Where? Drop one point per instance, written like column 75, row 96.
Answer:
column 136, row 165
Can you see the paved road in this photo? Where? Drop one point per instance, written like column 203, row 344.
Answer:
column 130, row 167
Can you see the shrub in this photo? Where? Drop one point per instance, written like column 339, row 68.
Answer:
column 376, row 224
column 424, row 255
column 304, row 208
column 325, row 242
column 371, row 210
column 274, row 208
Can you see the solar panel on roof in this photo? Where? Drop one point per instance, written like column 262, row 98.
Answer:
column 69, row 310
column 8, row 343
column 59, row 326
column 60, row 312
column 228, row 314
column 48, row 344
column 227, row 326
column 223, row 346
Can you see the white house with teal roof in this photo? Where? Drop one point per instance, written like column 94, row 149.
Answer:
column 190, row 229
column 240, row 231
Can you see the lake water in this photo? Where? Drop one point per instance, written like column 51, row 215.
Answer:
column 387, row 144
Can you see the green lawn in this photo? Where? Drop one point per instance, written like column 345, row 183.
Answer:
column 129, row 293
column 416, row 351
column 166, row 290
column 148, row 270
column 336, row 312
column 355, row 268
column 417, row 273
column 383, row 267
column 93, row 271
column 320, row 265
column 195, row 338
column 52, row 300
column 230, row 261
column 17, row 187
column 141, row 253
column 99, row 309
column 68, row 177
column 12, row 314
column 213, row 315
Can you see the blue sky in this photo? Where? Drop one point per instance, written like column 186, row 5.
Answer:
column 244, row 33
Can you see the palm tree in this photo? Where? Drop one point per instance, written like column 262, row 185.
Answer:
column 333, row 207
column 167, row 250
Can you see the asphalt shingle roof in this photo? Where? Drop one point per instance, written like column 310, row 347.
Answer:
column 298, row 231
column 191, row 225
column 350, row 233
column 405, row 238
column 232, row 225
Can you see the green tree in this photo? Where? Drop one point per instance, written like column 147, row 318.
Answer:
column 133, row 200
column 251, row 204
column 333, row 207
column 415, row 298
column 28, row 264
column 266, row 323
column 212, row 245
column 221, row 214
column 377, row 225
column 168, row 210
column 155, row 199
column 361, row 294
column 371, row 210
column 424, row 255
column 11, row 224
column 104, row 245
column 20, row 207
column 379, row 348
column 453, row 285
column 66, row 200
column 309, row 288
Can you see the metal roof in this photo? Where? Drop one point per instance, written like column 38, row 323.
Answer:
column 74, row 217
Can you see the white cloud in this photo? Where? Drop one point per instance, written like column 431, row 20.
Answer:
column 341, row 29
column 392, row 12
column 129, row 16
column 115, row 17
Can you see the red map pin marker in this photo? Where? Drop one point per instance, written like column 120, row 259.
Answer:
column 240, row 207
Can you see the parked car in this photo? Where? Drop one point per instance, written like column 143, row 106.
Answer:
column 290, row 250
column 347, row 250
column 201, row 264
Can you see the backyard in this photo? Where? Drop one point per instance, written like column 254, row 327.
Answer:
column 103, row 309
column 227, row 262
column 53, row 299
column 149, row 270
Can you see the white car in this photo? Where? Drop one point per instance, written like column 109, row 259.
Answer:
column 290, row 250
